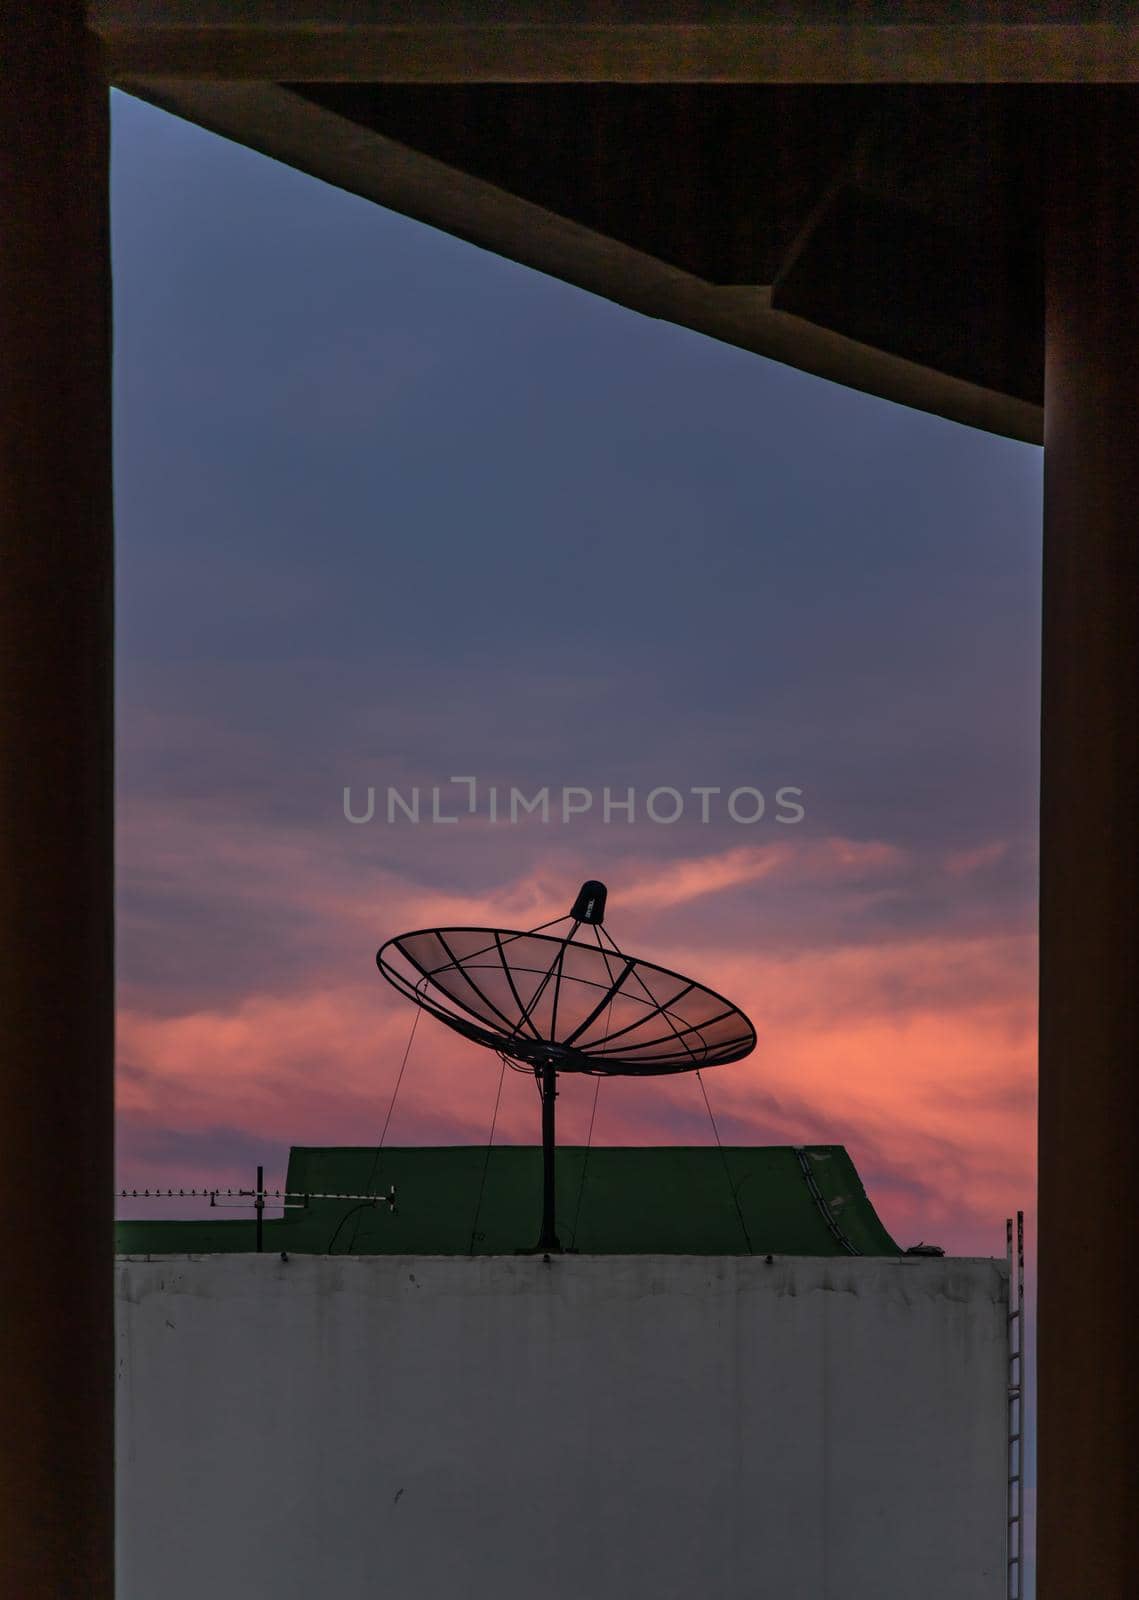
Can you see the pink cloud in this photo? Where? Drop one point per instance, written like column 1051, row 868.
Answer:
column 963, row 863
column 676, row 883
column 916, row 1052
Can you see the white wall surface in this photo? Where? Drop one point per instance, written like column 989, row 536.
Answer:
column 649, row 1428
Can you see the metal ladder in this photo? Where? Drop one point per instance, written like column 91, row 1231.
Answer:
column 1015, row 1537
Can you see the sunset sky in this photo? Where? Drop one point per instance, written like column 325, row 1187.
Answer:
column 392, row 510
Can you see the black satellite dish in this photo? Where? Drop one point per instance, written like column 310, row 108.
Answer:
column 572, row 1002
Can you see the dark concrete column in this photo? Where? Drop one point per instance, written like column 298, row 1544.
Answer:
column 1088, row 1335
column 56, row 795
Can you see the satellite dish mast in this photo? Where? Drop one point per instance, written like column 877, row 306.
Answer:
column 548, row 1002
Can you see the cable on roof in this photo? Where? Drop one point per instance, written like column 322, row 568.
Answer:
column 486, row 1157
column 825, row 1211
column 585, row 1162
column 370, row 1185
column 727, row 1170
column 363, row 1206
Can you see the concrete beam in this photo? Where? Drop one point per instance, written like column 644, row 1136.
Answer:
column 673, row 41
column 292, row 129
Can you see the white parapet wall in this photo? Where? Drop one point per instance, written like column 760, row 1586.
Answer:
column 507, row 1428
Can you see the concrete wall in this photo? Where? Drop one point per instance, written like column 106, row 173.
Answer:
column 649, row 1428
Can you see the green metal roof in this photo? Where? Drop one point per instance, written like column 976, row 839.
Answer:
column 665, row 1200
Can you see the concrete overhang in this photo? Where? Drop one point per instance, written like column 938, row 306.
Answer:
column 850, row 189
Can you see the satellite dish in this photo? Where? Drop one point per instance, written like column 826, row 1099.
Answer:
column 551, row 1002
